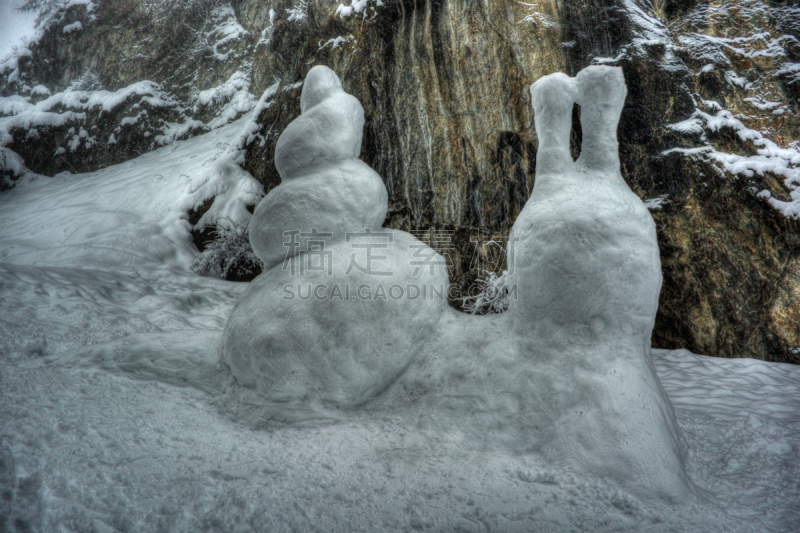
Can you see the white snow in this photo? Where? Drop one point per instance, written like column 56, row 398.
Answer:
column 791, row 71
column 356, row 6
column 762, row 104
column 134, row 212
column 298, row 12
column 538, row 17
column 765, row 40
column 769, row 158
column 754, row 45
column 735, row 79
column 21, row 113
column 249, row 132
column 99, row 430
column 336, row 42
column 18, row 30
column 75, row 26
column 117, row 416
column 89, row 4
column 648, row 32
column 16, row 27
column 40, row 90
column 11, row 162
column 12, row 64
column 227, row 101
column 656, row 203
column 226, row 31
column 565, row 376
column 233, row 97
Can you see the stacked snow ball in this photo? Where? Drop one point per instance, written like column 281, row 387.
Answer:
column 324, row 184
column 343, row 306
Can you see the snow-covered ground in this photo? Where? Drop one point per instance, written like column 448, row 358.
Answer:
column 131, row 215
column 114, row 413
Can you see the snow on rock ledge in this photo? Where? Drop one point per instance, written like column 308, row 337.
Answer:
column 75, row 26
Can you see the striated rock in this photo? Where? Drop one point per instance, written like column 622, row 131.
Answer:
column 729, row 257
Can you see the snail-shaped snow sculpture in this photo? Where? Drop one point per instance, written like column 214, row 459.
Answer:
column 348, row 314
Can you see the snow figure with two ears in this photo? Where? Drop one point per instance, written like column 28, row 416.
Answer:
column 586, row 266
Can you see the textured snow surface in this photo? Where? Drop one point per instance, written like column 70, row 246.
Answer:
column 116, row 416
column 101, row 438
column 16, row 27
column 130, row 215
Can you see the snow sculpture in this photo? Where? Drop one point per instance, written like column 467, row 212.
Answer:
column 586, row 265
column 565, row 373
column 339, row 312
column 323, row 183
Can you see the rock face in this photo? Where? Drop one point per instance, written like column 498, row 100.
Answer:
column 449, row 131
column 705, row 136
column 107, row 81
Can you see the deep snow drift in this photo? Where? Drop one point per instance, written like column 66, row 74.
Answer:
column 115, row 414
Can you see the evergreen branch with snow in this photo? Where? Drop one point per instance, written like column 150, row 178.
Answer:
column 229, row 255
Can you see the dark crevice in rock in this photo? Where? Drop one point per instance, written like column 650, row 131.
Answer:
column 200, row 237
column 576, row 134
